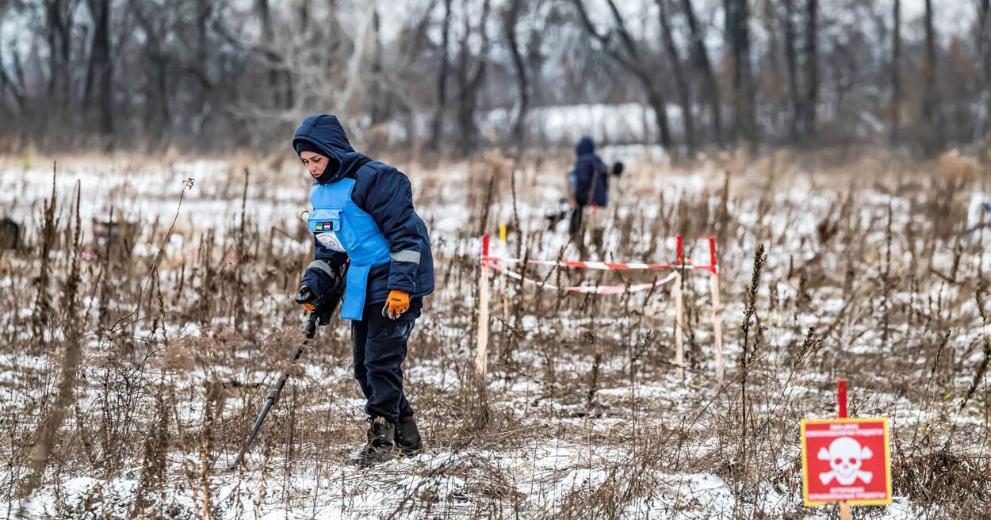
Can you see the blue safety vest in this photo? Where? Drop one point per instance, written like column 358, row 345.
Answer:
column 340, row 225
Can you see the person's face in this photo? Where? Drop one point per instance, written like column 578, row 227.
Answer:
column 314, row 163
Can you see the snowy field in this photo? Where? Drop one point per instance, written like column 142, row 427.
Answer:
column 174, row 329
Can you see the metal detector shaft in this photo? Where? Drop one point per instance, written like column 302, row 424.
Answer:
column 273, row 394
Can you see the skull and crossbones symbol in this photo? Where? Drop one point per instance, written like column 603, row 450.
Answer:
column 845, row 456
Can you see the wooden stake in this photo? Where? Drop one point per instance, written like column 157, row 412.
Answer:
column 505, row 309
column 717, row 318
column 481, row 355
column 679, row 325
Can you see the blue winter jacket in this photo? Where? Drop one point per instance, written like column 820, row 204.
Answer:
column 589, row 168
column 384, row 193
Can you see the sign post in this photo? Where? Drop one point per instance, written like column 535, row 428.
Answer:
column 841, row 413
column 846, row 460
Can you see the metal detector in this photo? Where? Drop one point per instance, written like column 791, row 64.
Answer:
column 273, row 395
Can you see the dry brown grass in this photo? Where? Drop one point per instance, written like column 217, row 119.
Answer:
column 953, row 165
column 866, row 277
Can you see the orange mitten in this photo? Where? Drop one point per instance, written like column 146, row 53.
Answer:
column 396, row 304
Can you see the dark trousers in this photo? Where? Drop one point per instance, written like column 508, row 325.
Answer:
column 379, row 350
column 575, row 222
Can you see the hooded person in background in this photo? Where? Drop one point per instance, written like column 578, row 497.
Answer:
column 589, row 182
column 372, row 255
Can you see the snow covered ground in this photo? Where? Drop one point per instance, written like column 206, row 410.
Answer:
column 866, row 277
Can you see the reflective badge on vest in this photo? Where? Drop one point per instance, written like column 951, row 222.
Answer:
column 324, row 224
column 330, row 241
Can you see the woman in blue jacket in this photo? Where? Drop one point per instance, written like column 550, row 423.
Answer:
column 371, row 246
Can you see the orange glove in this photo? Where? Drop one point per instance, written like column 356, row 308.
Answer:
column 396, row 304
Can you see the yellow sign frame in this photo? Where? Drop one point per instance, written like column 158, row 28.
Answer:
column 887, row 462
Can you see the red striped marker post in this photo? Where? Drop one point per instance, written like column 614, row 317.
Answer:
column 841, row 398
column 717, row 319
column 679, row 312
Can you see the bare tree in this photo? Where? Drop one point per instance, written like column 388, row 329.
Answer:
column 348, row 100
column 984, row 50
column 59, row 18
column 791, row 61
column 680, row 81
column 811, row 101
column 896, row 82
column 304, row 15
column 11, row 82
column 510, row 19
column 279, row 88
column 156, row 87
column 402, row 71
column 99, row 76
column 627, row 54
column 437, row 126
column 378, row 97
column 469, row 74
column 204, row 10
column 703, row 66
column 738, row 29
column 930, row 97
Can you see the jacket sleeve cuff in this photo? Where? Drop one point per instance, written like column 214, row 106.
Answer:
column 401, row 277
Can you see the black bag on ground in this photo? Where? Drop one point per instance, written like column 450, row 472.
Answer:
column 617, row 168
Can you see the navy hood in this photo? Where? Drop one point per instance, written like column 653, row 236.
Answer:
column 325, row 132
column 585, row 146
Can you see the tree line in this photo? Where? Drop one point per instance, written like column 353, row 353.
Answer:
column 455, row 76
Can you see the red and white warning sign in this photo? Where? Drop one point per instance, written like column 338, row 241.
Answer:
column 846, row 460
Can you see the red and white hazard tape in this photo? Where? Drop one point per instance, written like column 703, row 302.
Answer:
column 680, row 265
column 585, row 289
column 678, row 269
column 602, row 266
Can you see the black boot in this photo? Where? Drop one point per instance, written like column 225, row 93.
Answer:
column 381, row 442
column 408, row 437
